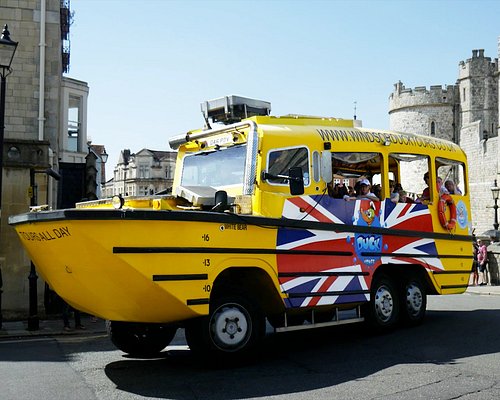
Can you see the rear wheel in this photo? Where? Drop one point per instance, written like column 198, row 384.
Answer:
column 138, row 339
column 413, row 301
column 383, row 309
column 234, row 326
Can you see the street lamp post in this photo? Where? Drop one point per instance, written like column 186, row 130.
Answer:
column 7, row 49
column 495, row 191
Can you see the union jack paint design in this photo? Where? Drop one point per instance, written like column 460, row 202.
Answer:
column 345, row 260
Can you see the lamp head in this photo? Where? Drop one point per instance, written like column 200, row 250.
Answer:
column 7, row 49
column 495, row 191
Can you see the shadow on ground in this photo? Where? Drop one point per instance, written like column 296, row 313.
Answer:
column 309, row 360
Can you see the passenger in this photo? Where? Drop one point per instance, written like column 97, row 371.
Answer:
column 397, row 188
column 350, row 191
column 353, row 194
column 341, row 191
column 365, row 192
column 425, row 196
column 337, row 191
column 377, row 190
column 331, row 189
column 404, row 198
column 395, row 197
column 451, row 187
column 440, row 187
column 391, row 185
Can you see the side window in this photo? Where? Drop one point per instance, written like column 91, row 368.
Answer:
column 410, row 174
column 352, row 168
column 452, row 176
column 316, row 166
column 280, row 161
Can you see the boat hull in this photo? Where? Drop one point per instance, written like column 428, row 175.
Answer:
column 139, row 266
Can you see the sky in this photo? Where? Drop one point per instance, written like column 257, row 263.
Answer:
column 150, row 63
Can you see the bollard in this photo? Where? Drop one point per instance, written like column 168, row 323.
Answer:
column 33, row 322
column 1, row 286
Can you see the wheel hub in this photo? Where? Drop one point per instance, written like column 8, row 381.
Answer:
column 414, row 299
column 230, row 327
column 384, row 304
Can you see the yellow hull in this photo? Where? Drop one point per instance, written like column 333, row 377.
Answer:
column 165, row 277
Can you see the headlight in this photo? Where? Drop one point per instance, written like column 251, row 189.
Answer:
column 117, row 202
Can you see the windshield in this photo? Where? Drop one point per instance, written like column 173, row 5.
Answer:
column 222, row 167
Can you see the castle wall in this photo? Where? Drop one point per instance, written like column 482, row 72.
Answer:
column 483, row 165
column 478, row 86
column 466, row 113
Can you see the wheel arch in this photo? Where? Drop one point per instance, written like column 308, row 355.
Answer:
column 254, row 282
column 401, row 271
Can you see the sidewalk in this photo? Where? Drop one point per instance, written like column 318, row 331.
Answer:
column 487, row 290
column 50, row 327
column 54, row 327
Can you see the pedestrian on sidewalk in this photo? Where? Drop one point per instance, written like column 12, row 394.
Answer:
column 482, row 260
column 66, row 314
column 475, row 248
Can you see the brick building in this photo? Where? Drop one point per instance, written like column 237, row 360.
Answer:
column 45, row 127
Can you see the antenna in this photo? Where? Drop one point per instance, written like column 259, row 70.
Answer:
column 355, row 104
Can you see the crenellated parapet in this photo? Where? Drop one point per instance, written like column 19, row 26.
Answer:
column 419, row 96
column 477, row 66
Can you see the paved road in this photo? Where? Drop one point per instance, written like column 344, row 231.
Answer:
column 455, row 354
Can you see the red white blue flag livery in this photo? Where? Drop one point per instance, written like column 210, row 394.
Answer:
column 324, row 267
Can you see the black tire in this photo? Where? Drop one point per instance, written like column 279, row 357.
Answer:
column 413, row 301
column 138, row 339
column 382, row 312
column 194, row 334
column 234, row 327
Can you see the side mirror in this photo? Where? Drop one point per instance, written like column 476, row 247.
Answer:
column 296, row 181
column 220, row 201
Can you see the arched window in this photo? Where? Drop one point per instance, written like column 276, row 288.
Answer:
column 433, row 128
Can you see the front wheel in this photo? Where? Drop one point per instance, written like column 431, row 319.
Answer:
column 234, row 326
column 383, row 309
column 139, row 339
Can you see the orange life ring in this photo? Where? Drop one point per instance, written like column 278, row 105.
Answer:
column 447, row 201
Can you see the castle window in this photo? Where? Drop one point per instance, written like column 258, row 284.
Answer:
column 463, row 94
column 433, row 128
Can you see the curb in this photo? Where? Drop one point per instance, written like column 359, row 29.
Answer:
column 18, row 329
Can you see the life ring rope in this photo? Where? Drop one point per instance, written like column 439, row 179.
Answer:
column 446, row 201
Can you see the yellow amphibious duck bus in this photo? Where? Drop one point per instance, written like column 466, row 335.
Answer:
column 258, row 227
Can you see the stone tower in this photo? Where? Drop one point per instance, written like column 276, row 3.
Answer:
column 431, row 112
column 478, row 87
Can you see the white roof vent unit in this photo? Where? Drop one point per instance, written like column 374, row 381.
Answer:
column 231, row 109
